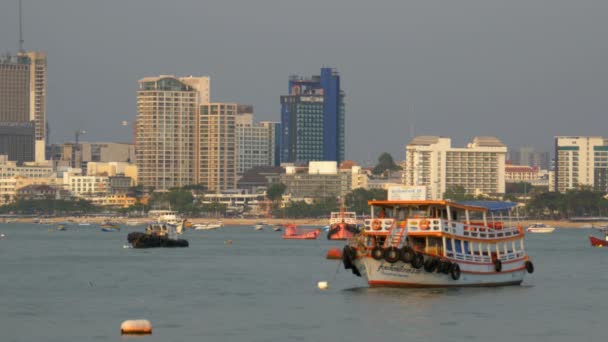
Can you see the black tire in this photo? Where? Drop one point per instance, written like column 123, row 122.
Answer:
column 529, row 267
column 392, row 255
column 444, row 266
column 497, row 265
column 455, row 271
column 378, row 253
column 407, row 254
column 430, row 264
column 418, row 261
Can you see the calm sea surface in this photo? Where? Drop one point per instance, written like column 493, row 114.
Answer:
column 80, row 284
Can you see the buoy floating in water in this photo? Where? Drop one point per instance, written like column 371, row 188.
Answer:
column 228, row 242
column 136, row 327
column 323, row 285
column 334, row 254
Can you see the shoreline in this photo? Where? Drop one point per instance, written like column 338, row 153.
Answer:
column 562, row 224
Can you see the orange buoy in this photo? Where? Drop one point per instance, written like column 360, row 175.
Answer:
column 136, row 327
column 334, row 254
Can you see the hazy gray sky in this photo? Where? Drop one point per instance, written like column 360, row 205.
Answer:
column 522, row 70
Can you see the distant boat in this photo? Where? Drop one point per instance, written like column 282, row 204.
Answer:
column 109, row 226
column 84, row 224
column 132, row 222
column 277, row 228
column 259, row 226
column 208, row 225
column 540, row 228
column 293, row 233
column 61, row 227
column 595, row 242
column 157, row 235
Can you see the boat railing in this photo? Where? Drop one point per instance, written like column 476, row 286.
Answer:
column 478, row 231
column 378, row 225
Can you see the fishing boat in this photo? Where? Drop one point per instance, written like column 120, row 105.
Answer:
column 595, row 242
column 156, row 235
column 540, row 228
column 436, row 243
column 293, row 233
column 342, row 225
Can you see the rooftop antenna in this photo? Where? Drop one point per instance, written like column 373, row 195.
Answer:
column 20, row 28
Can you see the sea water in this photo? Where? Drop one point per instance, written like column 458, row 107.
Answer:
column 80, row 284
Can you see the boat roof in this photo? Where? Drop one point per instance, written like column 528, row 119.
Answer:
column 489, row 206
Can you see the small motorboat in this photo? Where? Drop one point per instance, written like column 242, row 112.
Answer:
column 109, row 226
column 595, row 242
column 540, row 228
column 293, row 233
column 259, row 226
column 277, row 228
column 208, row 225
column 61, row 227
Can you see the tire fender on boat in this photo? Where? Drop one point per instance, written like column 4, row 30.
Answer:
column 392, row 255
column 497, row 265
column 529, row 266
column 418, row 261
column 430, row 264
column 455, row 271
column 407, row 255
column 378, row 253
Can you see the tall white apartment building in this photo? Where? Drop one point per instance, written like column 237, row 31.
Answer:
column 479, row 167
column 252, row 144
column 216, row 146
column 581, row 161
column 166, row 130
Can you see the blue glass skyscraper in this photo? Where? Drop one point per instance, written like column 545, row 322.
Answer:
column 312, row 119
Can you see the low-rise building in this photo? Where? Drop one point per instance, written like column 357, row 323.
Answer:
column 521, row 173
column 114, row 201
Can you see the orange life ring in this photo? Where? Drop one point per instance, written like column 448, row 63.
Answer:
column 424, row 224
column 376, row 224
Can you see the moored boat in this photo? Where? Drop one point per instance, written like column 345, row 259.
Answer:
column 208, row 225
column 110, row 226
column 259, row 226
column 156, row 235
column 540, row 228
column 421, row 243
column 293, row 233
column 342, row 225
column 595, row 242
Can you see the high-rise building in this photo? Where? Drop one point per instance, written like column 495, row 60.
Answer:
column 216, row 146
column 17, row 141
column 14, row 89
column 37, row 98
column 479, row 168
column 273, row 130
column 312, row 119
column 23, row 94
column 581, row 161
column 167, row 118
column 252, row 143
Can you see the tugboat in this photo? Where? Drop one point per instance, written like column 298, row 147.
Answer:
column 156, row 235
column 342, row 225
column 424, row 243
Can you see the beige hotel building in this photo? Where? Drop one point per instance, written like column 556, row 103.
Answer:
column 479, row 167
column 182, row 138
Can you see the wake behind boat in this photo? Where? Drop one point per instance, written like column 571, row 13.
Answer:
column 438, row 244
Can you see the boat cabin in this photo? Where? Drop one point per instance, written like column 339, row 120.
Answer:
column 443, row 228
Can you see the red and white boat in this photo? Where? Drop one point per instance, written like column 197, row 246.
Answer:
column 595, row 242
column 293, row 233
column 420, row 243
column 342, row 225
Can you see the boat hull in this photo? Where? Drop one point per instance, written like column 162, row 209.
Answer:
column 540, row 230
column 341, row 232
column 595, row 242
column 141, row 240
column 380, row 273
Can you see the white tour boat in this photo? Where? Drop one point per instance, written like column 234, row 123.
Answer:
column 540, row 228
column 208, row 225
column 423, row 243
column 174, row 220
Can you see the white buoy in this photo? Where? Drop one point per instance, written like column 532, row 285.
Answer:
column 136, row 327
column 323, row 285
column 124, row 123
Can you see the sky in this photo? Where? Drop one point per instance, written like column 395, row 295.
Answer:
column 521, row 70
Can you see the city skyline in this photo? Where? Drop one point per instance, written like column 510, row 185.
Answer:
column 409, row 69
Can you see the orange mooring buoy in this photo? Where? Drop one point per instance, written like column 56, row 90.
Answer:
column 136, row 327
column 334, row 254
